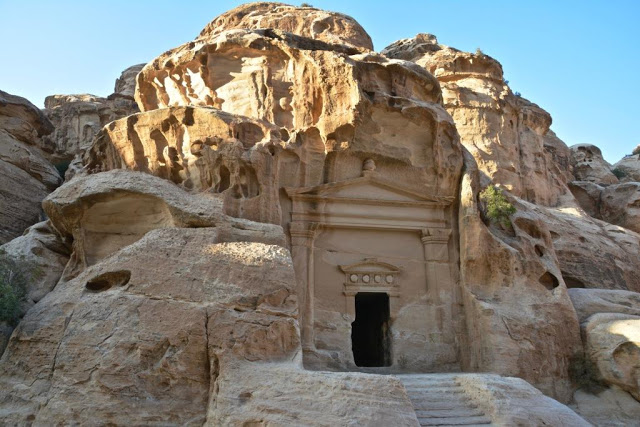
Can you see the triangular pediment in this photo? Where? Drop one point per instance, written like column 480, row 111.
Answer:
column 364, row 188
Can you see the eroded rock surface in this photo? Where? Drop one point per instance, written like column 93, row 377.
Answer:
column 589, row 165
column 330, row 27
column 507, row 135
column 26, row 176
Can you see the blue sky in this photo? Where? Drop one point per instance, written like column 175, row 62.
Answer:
column 579, row 60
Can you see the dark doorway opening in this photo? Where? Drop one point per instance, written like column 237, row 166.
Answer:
column 370, row 331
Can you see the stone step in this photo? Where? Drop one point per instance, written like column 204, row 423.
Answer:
column 459, row 399
column 454, row 412
column 435, row 390
column 442, row 406
column 453, row 421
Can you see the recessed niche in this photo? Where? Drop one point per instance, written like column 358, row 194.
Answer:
column 549, row 281
column 108, row 280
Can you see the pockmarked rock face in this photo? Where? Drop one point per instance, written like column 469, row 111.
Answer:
column 200, row 149
column 358, row 103
column 506, row 134
column 330, row 27
column 518, row 314
column 26, row 176
column 589, row 165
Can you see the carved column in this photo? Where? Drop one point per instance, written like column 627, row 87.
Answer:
column 436, row 256
column 302, row 237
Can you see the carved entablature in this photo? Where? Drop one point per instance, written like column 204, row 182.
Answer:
column 371, row 275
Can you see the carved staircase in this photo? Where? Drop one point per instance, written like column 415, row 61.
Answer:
column 439, row 400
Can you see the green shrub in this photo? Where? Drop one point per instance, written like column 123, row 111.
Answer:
column 496, row 207
column 636, row 150
column 479, row 52
column 13, row 279
column 619, row 173
column 517, row 94
column 306, row 5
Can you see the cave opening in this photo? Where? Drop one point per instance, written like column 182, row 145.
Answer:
column 370, row 331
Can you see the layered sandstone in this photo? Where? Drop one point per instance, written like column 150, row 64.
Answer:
column 26, row 176
column 289, row 203
column 309, row 22
column 507, row 135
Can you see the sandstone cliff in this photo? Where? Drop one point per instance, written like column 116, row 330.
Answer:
column 215, row 254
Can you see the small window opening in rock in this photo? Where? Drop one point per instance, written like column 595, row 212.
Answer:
column 370, row 331
column 62, row 167
column 539, row 250
column 572, row 282
column 549, row 281
column 225, row 179
column 108, row 280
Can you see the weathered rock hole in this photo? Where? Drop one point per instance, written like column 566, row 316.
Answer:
column 108, row 280
column 528, row 227
column 539, row 250
column 572, row 282
column 225, row 179
column 549, row 281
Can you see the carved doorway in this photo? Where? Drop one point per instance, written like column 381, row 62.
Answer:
column 370, row 331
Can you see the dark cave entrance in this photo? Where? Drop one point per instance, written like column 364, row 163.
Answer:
column 370, row 330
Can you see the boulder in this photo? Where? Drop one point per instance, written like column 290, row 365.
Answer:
column 512, row 401
column 330, row 27
column 41, row 256
column 22, row 119
column 589, row 302
column 629, row 168
column 612, row 344
column 589, row 165
column 620, row 205
column 609, row 407
column 45, row 252
column 105, row 212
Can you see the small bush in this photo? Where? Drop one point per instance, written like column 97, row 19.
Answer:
column 306, row 5
column 636, row 150
column 13, row 279
column 479, row 52
column 517, row 94
column 496, row 207
column 619, row 173
column 506, row 82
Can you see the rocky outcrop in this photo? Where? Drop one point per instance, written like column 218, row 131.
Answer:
column 330, row 27
column 515, row 296
column 126, row 84
column 78, row 118
column 628, row 168
column 40, row 257
column 26, row 176
column 506, row 134
column 610, row 323
column 589, row 165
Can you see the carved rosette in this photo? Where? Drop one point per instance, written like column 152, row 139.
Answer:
column 371, row 275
